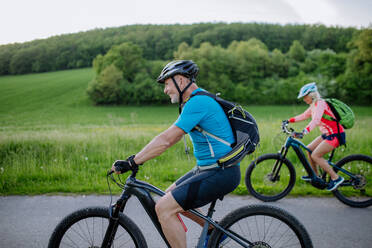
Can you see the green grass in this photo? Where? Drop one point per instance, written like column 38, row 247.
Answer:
column 53, row 140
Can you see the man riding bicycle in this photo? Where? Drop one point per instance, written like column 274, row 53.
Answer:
column 207, row 181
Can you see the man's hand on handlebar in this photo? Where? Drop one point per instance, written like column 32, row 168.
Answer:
column 122, row 166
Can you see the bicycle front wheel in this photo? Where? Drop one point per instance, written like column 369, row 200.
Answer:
column 87, row 228
column 269, row 184
column 355, row 191
column 261, row 226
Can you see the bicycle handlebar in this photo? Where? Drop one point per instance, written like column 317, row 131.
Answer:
column 285, row 128
column 290, row 131
column 111, row 174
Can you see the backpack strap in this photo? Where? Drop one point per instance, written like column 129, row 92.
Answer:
column 203, row 93
column 198, row 128
column 330, row 118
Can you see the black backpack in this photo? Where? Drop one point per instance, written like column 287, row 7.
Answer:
column 244, row 128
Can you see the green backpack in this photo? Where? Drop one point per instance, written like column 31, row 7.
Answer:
column 343, row 113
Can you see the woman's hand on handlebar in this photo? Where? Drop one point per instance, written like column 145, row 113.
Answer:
column 285, row 127
column 290, row 131
column 285, row 122
column 298, row 135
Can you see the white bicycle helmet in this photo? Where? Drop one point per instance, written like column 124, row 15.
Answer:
column 306, row 89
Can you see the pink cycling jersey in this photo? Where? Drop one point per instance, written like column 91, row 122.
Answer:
column 316, row 111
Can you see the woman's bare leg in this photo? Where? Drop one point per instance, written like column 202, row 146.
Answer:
column 317, row 156
column 312, row 147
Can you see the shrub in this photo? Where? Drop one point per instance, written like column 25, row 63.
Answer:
column 108, row 87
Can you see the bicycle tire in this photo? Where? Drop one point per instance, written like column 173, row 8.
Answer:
column 279, row 228
column 257, row 178
column 73, row 226
column 358, row 195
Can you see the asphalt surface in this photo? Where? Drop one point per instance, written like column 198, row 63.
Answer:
column 28, row 221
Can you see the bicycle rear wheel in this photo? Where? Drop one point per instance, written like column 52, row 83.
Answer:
column 263, row 184
column 355, row 192
column 87, row 227
column 262, row 226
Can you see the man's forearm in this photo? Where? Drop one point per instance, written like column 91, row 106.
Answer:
column 153, row 149
column 159, row 144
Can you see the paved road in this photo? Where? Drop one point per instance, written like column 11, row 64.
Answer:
column 29, row 221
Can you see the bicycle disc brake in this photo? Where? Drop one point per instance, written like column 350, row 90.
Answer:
column 260, row 244
column 360, row 183
column 272, row 178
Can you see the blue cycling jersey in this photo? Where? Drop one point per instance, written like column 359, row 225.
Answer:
column 208, row 114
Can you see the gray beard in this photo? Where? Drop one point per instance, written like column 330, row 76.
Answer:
column 175, row 99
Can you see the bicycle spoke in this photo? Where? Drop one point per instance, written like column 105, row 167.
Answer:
column 122, row 236
column 250, row 232
column 274, row 234
column 90, row 237
column 289, row 245
column 282, row 235
column 267, row 185
column 82, row 235
column 85, row 233
column 257, row 229
column 75, row 245
column 268, row 231
column 272, row 219
column 93, row 230
column 356, row 190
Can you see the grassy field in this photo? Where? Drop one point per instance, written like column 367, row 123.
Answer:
column 53, row 140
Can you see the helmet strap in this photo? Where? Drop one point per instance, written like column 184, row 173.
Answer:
column 180, row 102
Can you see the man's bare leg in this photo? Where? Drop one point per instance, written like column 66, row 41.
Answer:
column 167, row 209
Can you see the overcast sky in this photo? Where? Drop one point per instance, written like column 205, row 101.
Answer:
column 25, row 20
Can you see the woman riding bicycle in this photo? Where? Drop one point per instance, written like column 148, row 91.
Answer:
column 332, row 136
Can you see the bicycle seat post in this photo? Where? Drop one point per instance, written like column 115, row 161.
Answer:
column 206, row 225
column 211, row 209
column 331, row 156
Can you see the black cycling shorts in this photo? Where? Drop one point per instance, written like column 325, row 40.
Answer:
column 340, row 136
column 198, row 188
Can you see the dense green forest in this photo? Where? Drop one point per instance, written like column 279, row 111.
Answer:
column 248, row 63
column 158, row 42
column 245, row 71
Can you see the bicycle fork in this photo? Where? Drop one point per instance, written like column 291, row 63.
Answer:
column 115, row 210
column 278, row 165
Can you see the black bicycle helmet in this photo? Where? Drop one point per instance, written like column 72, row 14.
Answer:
column 186, row 68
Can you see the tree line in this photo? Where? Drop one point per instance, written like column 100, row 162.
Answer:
column 158, row 42
column 246, row 71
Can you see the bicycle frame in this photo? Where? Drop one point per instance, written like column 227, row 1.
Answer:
column 298, row 147
column 142, row 191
